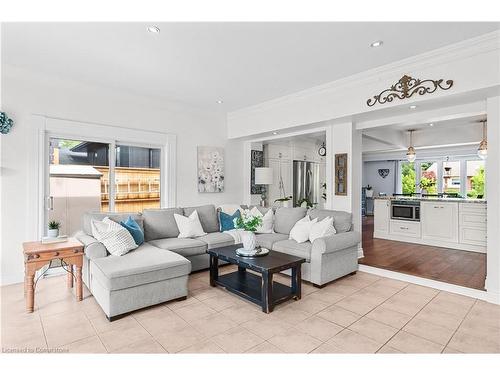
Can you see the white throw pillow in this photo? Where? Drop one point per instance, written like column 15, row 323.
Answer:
column 301, row 229
column 322, row 228
column 189, row 226
column 115, row 238
column 267, row 220
column 230, row 209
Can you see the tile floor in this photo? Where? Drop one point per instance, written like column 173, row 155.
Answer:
column 362, row 313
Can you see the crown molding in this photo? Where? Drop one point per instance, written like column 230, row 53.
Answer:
column 461, row 50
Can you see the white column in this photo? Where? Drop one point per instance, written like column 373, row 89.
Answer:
column 341, row 140
column 493, row 183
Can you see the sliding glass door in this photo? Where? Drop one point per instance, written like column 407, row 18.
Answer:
column 137, row 178
column 88, row 176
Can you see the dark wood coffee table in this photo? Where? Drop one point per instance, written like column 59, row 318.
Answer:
column 261, row 290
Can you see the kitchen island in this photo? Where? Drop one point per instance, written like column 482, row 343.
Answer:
column 454, row 223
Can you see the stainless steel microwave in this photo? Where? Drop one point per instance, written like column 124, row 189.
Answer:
column 405, row 210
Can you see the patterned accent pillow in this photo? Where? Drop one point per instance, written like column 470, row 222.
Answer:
column 115, row 238
column 227, row 221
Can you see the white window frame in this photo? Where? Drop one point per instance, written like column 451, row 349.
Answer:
column 48, row 127
column 463, row 173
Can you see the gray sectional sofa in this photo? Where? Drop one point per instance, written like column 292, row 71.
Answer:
column 157, row 271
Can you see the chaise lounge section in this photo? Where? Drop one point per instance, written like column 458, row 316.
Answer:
column 157, row 271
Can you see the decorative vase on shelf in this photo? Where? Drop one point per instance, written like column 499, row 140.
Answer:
column 248, row 239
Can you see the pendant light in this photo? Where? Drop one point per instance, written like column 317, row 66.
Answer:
column 410, row 154
column 482, row 151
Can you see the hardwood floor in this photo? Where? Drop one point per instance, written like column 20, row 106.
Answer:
column 458, row 267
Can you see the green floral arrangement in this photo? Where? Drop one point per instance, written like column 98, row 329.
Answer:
column 247, row 222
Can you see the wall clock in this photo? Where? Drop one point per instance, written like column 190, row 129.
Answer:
column 322, row 150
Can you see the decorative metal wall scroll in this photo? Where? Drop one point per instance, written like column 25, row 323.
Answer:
column 406, row 87
column 5, row 123
column 383, row 172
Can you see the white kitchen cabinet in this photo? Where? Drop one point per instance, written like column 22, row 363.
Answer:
column 302, row 153
column 472, row 224
column 278, row 151
column 286, row 172
column 439, row 221
column 405, row 228
column 382, row 209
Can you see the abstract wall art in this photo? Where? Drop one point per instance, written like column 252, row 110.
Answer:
column 210, row 169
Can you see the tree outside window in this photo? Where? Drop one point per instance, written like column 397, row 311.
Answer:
column 476, row 183
column 428, row 178
column 408, row 177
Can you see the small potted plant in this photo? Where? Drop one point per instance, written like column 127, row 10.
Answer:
column 249, row 224
column 285, row 201
column 53, row 231
column 369, row 191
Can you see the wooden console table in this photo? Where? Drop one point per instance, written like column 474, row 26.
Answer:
column 37, row 255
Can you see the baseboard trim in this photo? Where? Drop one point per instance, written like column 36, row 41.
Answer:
column 468, row 292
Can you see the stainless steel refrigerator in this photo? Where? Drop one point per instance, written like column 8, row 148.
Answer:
column 306, row 181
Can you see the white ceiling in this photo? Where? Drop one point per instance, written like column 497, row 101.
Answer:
column 199, row 63
column 443, row 133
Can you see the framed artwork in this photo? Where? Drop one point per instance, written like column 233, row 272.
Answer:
column 257, row 162
column 340, row 174
column 210, row 169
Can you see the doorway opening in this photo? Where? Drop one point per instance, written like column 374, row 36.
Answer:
column 426, row 215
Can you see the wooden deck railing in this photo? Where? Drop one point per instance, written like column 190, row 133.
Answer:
column 135, row 188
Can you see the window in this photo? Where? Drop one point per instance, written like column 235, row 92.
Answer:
column 137, row 176
column 451, row 177
column 428, row 176
column 475, row 178
column 408, row 179
column 79, row 180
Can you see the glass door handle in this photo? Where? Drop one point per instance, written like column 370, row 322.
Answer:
column 50, row 203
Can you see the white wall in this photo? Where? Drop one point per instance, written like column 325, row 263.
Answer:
column 493, row 187
column 372, row 178
column 25, row 93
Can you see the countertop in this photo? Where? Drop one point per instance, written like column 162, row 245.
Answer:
column 435, row 199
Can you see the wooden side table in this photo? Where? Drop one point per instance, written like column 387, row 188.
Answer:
column 37, row 255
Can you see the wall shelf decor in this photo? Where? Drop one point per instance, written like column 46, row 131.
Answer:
column 406, row 87
column 340, row 174
column 5, row 123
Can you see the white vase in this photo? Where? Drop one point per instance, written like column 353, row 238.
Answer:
column 53, row 233
column 248, row 240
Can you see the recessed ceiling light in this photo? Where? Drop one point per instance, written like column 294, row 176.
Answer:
column 413, row 106
column 154, row 29
column 274, row 133
column 431, row 124
column 220, row 101
column 377, row 43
